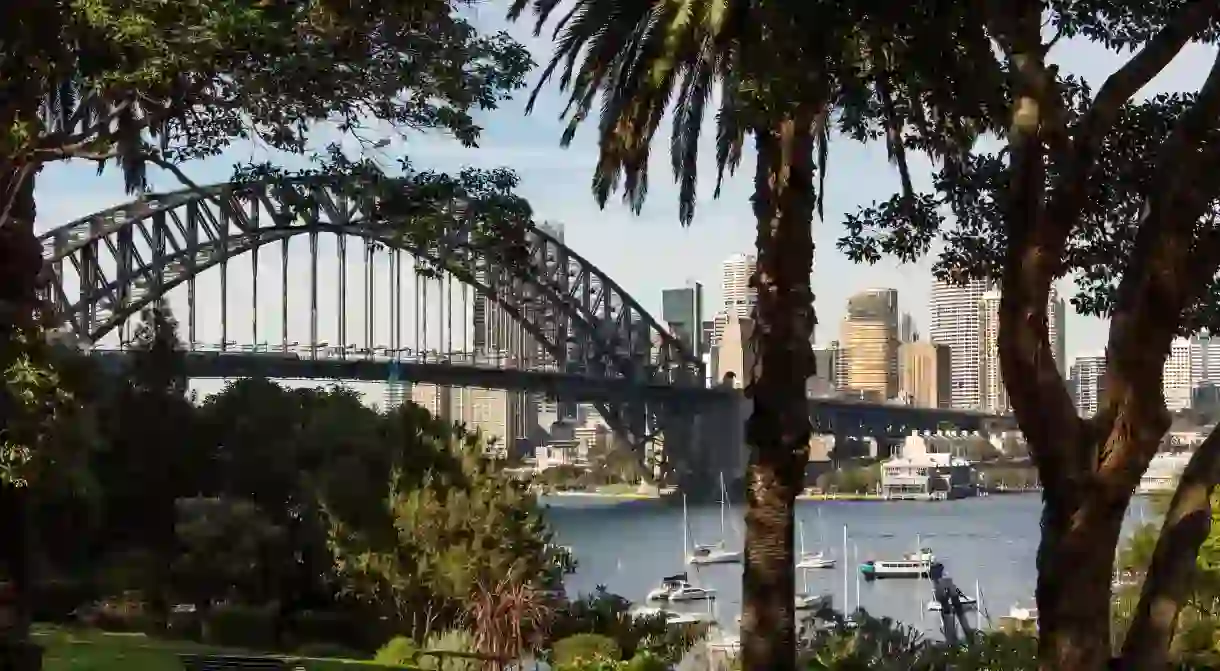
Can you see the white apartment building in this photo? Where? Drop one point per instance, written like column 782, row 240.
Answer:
column 955, row 322
column 1087, row 382
column 1177, row 382
column 1056, row 328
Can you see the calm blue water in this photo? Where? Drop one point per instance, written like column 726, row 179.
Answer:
column 991, row 540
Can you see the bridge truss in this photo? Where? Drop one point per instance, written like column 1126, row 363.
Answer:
column 564, row 313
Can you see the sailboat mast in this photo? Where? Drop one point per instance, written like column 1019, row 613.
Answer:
column 724, row 504
column 846, row 566
column 855, row 554
column 685, row 531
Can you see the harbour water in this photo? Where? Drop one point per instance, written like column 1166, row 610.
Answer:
column 992, row 540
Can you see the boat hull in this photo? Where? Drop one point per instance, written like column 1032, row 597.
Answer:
column 726, row 557
column 895, row 571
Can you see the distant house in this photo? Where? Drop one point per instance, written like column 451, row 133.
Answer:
column 926, row 468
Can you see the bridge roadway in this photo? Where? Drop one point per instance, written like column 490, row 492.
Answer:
column 843, row 417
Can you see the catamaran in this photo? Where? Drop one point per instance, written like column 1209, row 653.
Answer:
column 716, row 553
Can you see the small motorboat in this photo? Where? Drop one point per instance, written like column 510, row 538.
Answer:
column 814, row 602
column 815, row 560
column 689, row 592
column 671, row 617
column 969, row 603
column 714, row 554
column 669, row 585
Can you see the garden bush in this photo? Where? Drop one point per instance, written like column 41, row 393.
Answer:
column 453, row 640
column 585, row 647
column 398, row 651
column 349, row 628
column 240, row 626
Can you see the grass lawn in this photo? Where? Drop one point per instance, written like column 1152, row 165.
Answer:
column 84, row 650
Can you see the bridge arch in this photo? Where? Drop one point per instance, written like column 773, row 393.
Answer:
column 581, row 317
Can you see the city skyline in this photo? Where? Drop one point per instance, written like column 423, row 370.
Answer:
column 650, row 252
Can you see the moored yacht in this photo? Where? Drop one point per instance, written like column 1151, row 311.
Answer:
column 669, row 585
column 713, row 553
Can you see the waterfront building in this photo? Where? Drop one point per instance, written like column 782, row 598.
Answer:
column 925, row 468
column 1163, row 473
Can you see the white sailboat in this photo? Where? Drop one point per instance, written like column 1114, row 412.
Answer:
column 717, row 553
column 813, row 560
column 678, row 587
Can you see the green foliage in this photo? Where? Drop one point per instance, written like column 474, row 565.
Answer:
column 570, row 651
column 450, row 524
column 852, row 479
column 450, row 640
column 610, row 615
column 398, row 651
column 242, row 626
column 229, row 548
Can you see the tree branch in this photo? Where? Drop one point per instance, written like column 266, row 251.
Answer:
column 1169, row 577
column 1146, row 64
column 1156, row 288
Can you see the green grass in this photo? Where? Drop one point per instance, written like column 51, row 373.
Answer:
column 87, row 650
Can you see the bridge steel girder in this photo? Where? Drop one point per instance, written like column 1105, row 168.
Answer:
column 582, row 319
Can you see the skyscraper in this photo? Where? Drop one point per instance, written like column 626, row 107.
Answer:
column 682, row 312
column 1087, row 383
column 955, row 322
column 1056, row 328
column 993, row 397
column 870, row 341
column 739, row 296
column 923, row 374
column 1176, row 381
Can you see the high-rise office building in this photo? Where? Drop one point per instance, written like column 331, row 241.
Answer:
column 682, row 312
column 924, row 370
column 830, row 364
column 1176, row 380
column 906, row 328
column 1056, row 328
column 870, row 340
column 739, row 296
column 993, row 397
column 955, row 323
column 1205, row 359
column 1087, row 383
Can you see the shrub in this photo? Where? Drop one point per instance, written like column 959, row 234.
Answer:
column 453, row 640
column 239, row 626
column 184, row 625
column 398, row 651
column 585, row 647
column 327, row 651
column 351, row 629
column 57, row 601
column 126, row 612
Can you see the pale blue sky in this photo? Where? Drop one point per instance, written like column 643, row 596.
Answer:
column 652, row 251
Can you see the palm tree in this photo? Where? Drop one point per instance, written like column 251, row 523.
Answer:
column 637, row 56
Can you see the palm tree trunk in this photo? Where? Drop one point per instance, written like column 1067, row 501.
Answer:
column 778, row 430
column 20, row 265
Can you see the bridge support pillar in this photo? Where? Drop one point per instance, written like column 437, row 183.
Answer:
column 716, row 448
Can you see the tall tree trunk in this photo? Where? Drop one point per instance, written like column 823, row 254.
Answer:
column 20, row 265
column 1075, row 568
column 778, row 430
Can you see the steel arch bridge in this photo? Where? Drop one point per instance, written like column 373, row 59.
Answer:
column 128, row 257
